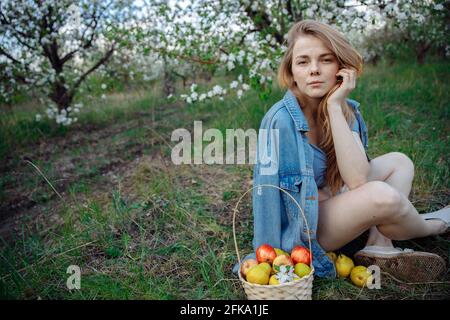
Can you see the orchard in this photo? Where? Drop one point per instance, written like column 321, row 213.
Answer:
column 50, row 48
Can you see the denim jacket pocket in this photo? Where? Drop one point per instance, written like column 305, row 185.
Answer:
column 291, row 183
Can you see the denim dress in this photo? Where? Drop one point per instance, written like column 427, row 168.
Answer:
column 284, row 158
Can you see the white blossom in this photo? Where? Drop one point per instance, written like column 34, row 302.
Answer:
column 234, row 84
column 285, row 274
column 217, row 90
column 230, row 65
column 402, row 16
column 309, row 13
column 223, row 57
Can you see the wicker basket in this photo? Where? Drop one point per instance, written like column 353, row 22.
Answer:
column 294, row 290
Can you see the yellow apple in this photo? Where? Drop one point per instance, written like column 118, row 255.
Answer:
column 344, row 266
column 280, row 252
column 273, row 280
column 266, row 267
column 360, row 276
column 258, row 275
column 302, row 269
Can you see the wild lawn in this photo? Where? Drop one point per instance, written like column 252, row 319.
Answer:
column 140, row 227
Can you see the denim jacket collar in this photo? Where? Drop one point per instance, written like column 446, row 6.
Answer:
column 291, row 103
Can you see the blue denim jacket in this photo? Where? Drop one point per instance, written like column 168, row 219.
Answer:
column 277, row 219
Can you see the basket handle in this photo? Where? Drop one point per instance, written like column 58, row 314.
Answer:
column 235, row 210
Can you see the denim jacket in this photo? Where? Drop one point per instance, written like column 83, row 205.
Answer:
column 286, row 161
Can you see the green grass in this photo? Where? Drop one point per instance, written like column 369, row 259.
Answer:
column 18, row 126
column 161, row 231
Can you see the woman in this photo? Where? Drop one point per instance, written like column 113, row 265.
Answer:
column 321, row 150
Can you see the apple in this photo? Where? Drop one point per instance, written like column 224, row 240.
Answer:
column 300, row 254
column 265, row 253
column 280, row 252
column 246, row 265
column 302, row 270
column 281, row 260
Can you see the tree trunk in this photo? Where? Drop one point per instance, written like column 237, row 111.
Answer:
column 421, row 51
column 441, row 52
column 169, row 87
column 374, row 61
column 60, row 95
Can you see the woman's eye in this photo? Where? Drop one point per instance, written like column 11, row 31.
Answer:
column 301, row 62
column 327, row 60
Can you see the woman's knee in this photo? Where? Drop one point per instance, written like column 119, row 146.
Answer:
column 403, row 161
column 385, row 199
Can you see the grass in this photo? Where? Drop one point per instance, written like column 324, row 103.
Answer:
column 140, row 227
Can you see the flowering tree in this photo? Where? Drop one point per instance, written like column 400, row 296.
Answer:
column 53, row 45
column 246, row 38
column 420, row 24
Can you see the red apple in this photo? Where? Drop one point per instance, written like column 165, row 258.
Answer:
column 300, row 254
column 265, row 253
column 246, row 265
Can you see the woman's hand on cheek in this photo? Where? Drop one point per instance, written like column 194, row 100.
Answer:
column 338, row 97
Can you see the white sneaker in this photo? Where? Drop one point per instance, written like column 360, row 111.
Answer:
column 443, row 214
column 384, row 251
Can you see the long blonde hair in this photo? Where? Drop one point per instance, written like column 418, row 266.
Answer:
column 347, row 57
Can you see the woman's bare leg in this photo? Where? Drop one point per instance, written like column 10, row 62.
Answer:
column 346, row 216
column 397, row 170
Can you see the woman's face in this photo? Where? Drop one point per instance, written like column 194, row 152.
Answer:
column 313, row 61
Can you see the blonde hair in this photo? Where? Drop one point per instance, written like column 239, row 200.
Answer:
column 347, row 57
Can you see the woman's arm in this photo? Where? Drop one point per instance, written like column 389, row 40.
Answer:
column 352, row 162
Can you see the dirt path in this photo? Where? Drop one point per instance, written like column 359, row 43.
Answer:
column 88, row 156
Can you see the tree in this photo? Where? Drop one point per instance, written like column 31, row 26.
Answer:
column 247, row 37
column 44, row 48
column 239, row 36
column 53, row 45
column 422, row 25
